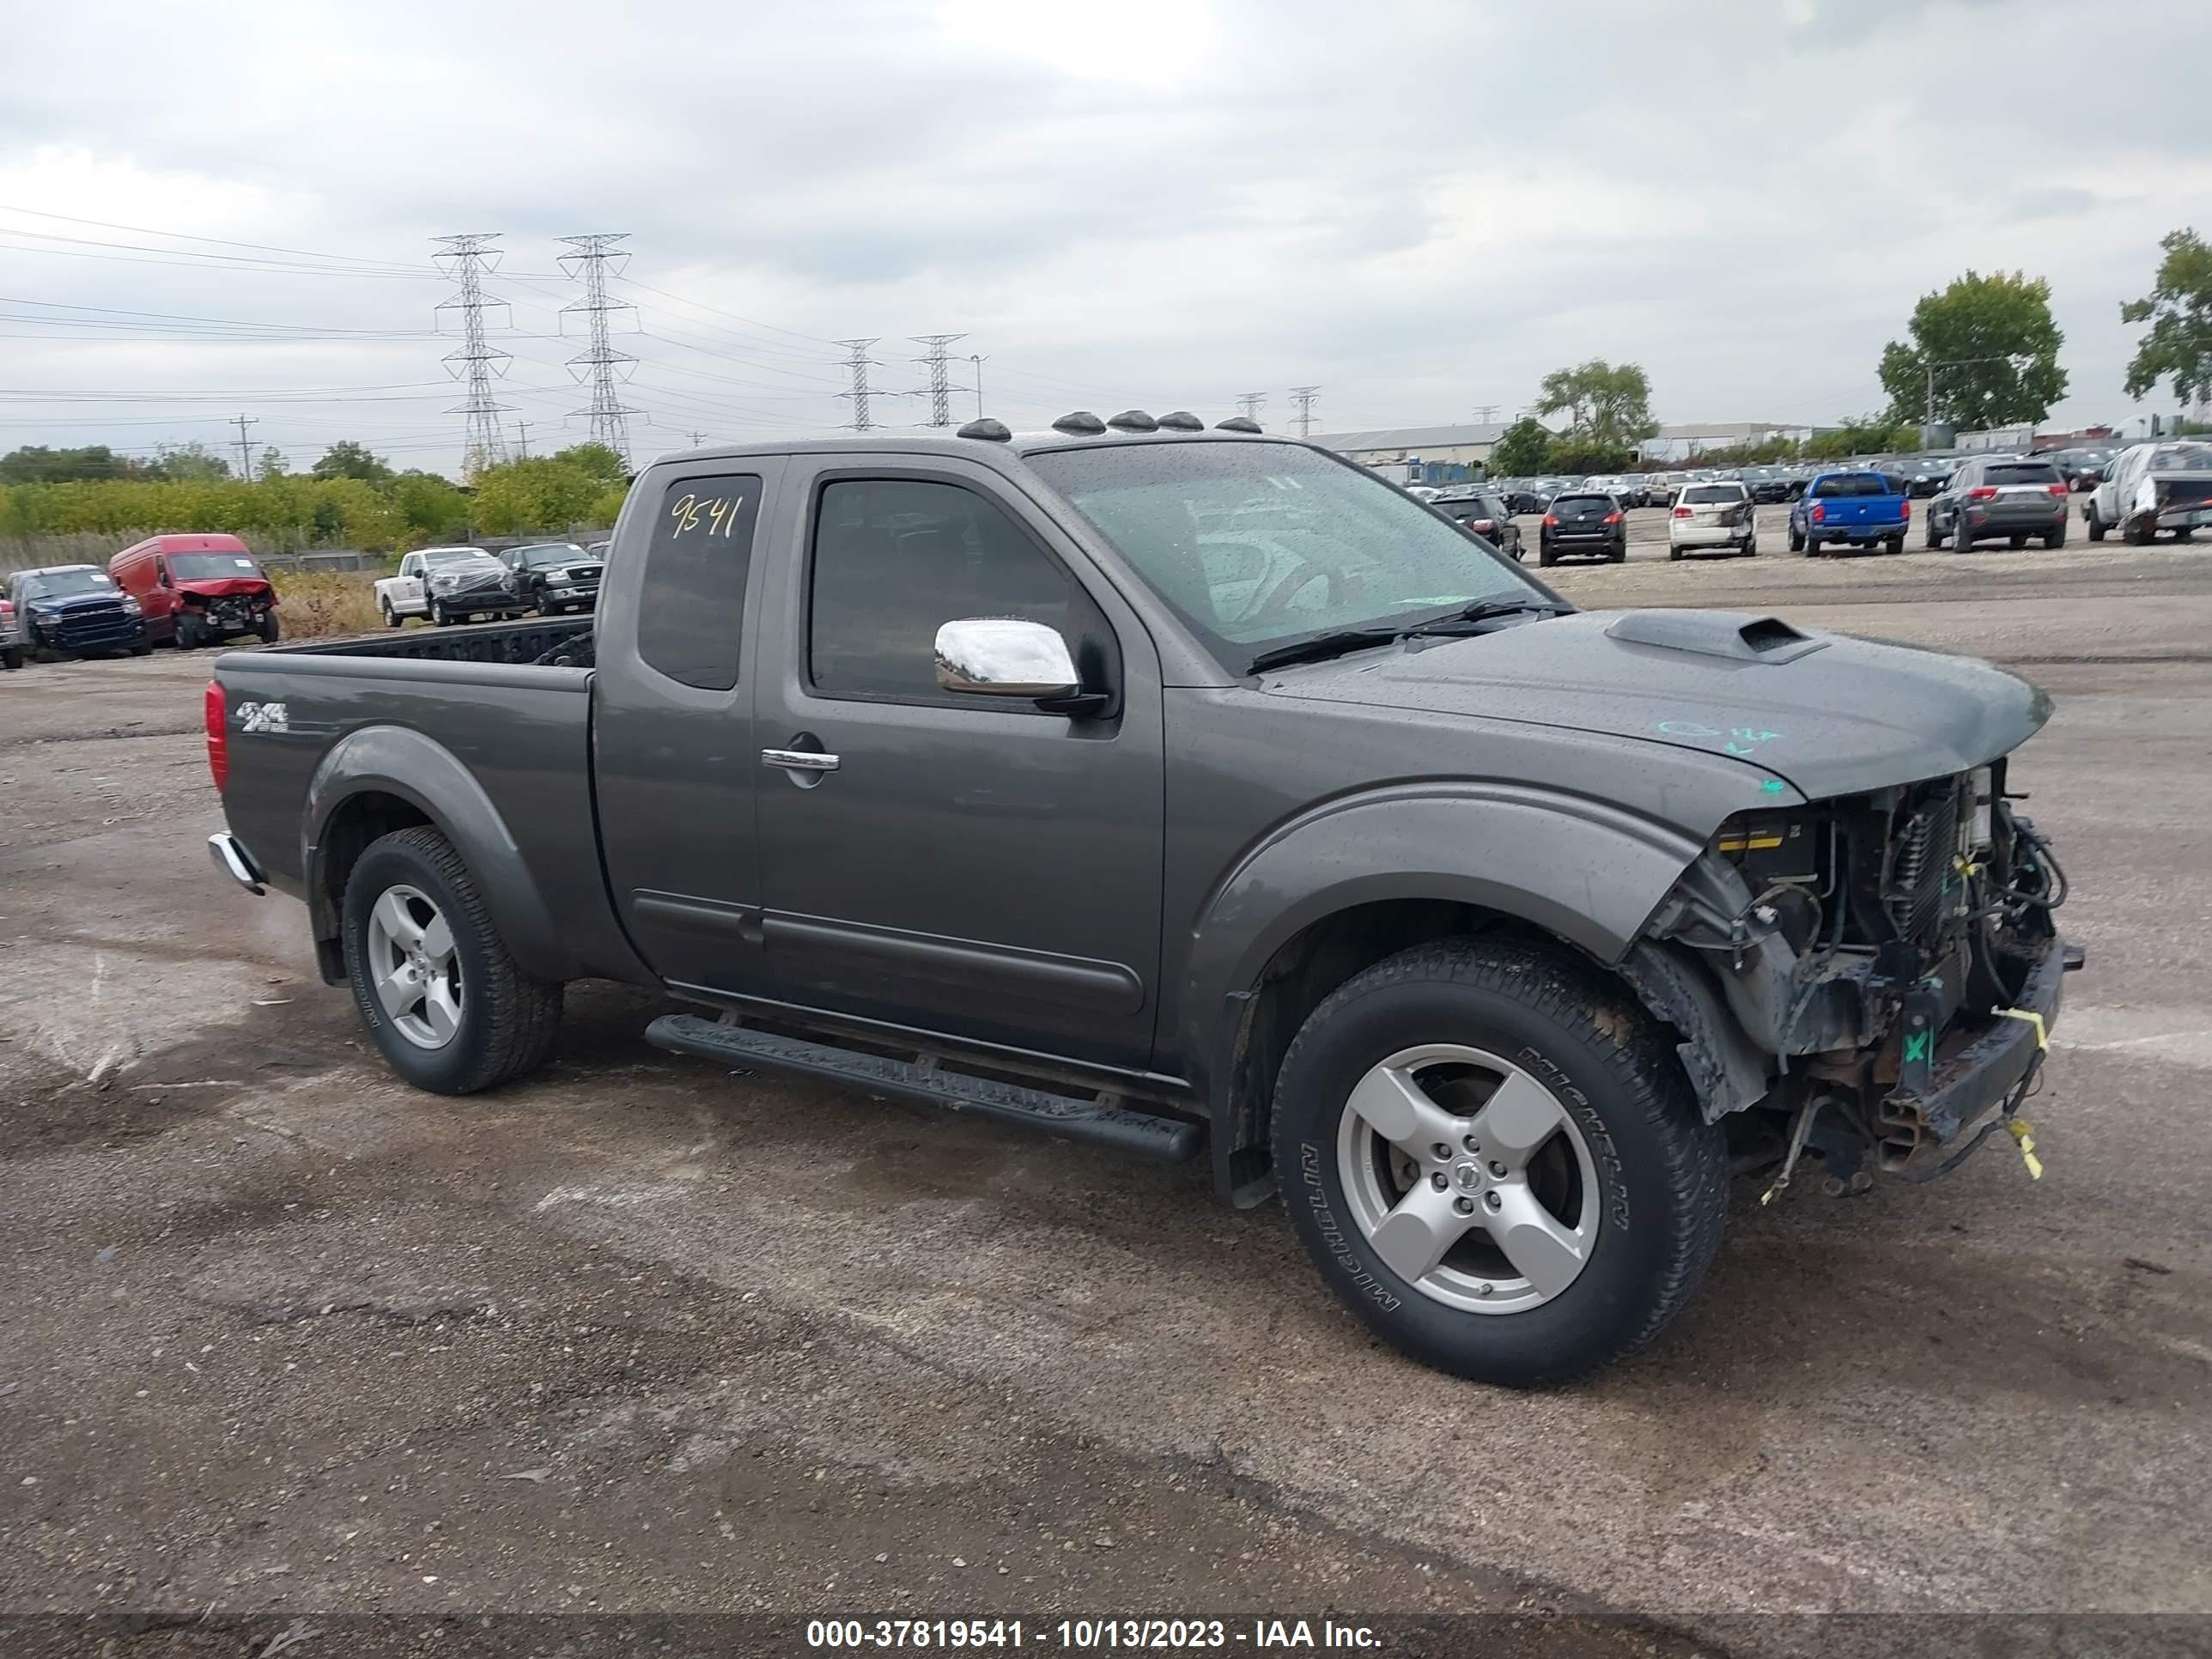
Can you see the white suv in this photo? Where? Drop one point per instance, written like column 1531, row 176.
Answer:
column 1708, row 515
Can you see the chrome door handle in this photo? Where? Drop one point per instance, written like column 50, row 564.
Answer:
column 798, row 760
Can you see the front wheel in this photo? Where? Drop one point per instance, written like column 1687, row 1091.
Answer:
column 439, row 617
column 267, row 628
column 2096, row 525
column 1929, row 538
column 2057, row 538
column 1494, row 1157
column 1751, row 547
column 11, row 657
column 445, row 1002
column 190, row 635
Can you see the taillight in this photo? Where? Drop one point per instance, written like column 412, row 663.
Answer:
column 1907, row 514
column 1684, row 513
column 1486, row 524
column 218, row 735
column 1612, row 517
column 2059, row 489
column 1551, row 521
column 1983, row 493
column 1820, row 514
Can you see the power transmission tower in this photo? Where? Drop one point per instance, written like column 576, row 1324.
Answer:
column 244, row 453
column 466, row 258
column 1251, row 404
column 698, row 440
column 859, row 363
column 1486, row 413
column 522, row 440
column 940, row 388
column 1303, row 395
column 600, row 363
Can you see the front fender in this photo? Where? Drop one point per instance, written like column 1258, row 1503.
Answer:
column 1589, row 872
column 397, row 760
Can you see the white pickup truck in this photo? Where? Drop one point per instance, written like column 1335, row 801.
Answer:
column 449, row 585
column 2148, row 488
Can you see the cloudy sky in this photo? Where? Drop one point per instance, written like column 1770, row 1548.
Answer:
column 1419, row 205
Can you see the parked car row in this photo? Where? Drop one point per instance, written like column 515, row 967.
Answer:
column 448, row 584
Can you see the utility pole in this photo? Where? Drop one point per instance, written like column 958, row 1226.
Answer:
column 941, row 376
column 600, row 363
column 698, row 440
column 977, row 359
column 859, row 363
column 522, row 440
column 1303, row 395
column 1251, row 404
column 466, row 258
column 244, row 451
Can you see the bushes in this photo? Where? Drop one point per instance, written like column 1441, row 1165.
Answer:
column 314, row 604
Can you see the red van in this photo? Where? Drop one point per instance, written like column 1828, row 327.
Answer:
column 197, row 590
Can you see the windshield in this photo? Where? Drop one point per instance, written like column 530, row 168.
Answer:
column 2181, row 457
column 550, row 553
column 61, row 584
column 434, row 557
column 1255, row 545
column 210, row 566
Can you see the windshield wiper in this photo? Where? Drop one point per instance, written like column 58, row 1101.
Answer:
column 1321, row 646
column 1484, row 610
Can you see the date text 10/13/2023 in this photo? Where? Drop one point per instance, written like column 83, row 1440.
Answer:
column 1092, row 1635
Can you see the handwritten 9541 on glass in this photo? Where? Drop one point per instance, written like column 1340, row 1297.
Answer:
column 716, row 515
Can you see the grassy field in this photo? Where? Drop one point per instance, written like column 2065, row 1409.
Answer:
column 316, row 605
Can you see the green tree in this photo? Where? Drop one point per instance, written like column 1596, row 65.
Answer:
column 192, row 463
column 349, row 460
column 1607, row 406
column 1523, row 450
column 270, row 465
column 1568, row 456
column 534, row 497
column 597, row 462
column 36, row 464
column 1863, row 435
column 432, row 509
column 2178, row 309
column 1992, row 346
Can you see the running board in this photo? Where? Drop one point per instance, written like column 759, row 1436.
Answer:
column 1171, row 1139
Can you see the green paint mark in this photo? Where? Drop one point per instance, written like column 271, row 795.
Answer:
column 1772, row 786
column 1916, row 1046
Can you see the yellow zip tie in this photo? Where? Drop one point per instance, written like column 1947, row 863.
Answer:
column 2023, row 1132
column 2042, row 1036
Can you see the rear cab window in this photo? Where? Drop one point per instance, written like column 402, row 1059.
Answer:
column 1707, row 494
column 1853, row 483
column 2022, row 473
column 691, row 597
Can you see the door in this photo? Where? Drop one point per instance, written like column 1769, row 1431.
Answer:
column 159, row 602
column 675, row 761
column 952, row 862
column 407, row 585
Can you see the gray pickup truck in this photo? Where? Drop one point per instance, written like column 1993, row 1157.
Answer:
column 1195, row 792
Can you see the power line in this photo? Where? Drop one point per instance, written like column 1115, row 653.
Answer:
column 1303, row 395
column 468, row 258
column 941, row 376
column 215, row 241
column 858, row 363
column 604, row 365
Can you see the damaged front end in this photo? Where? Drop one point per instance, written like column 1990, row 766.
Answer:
column 1871, row 979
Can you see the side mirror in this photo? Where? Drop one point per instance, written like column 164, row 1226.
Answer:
column 1003, row 656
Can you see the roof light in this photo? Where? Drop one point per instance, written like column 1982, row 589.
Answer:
column 989, row 431
column 1237, row 423
column 1081, row 423
column 1133, row 419
column 1183, row 420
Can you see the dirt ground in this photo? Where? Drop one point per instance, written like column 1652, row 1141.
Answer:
column 281, row 1335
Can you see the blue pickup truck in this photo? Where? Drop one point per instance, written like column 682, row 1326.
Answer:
column 1856, row 508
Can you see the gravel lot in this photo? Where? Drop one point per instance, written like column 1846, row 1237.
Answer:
column 284, row 1335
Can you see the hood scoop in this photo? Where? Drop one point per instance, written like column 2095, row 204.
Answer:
column 1730, row 635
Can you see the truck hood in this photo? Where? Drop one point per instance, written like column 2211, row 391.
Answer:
column 1826, row 713
column 62, row 603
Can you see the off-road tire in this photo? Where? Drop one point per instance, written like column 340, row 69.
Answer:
column 1662, row 1172
column 508, row 1020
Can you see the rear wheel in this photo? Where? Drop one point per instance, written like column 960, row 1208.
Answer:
column 1812, row 547
column 1547, row 558
column 2056, row 537
column 1894, row 543
column 390, row 616
column 2016, row 541
column 2096, row 525
column 1961, row 540
column 444, row 1001
column 1674, row 552
column 1493, row 1158
column 1797, row 538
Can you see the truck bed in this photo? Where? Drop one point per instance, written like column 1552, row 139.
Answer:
column 467, row 727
